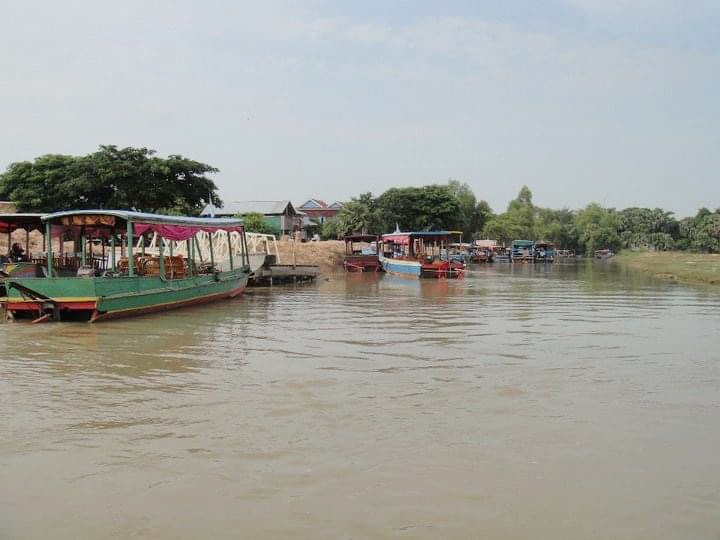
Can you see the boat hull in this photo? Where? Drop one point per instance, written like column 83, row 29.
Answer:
column 401, row 267
column 361, row 263
column 98, row 299
column 417, row 269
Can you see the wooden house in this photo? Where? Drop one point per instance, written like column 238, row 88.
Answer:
column 280, row 215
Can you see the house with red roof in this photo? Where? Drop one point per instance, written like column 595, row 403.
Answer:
column 319, row 211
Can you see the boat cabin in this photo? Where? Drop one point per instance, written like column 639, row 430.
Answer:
column 361, row 253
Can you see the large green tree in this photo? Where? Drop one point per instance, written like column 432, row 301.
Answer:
column 518, row 222
column 112, row 177
column 432, row 207
column 473, row 214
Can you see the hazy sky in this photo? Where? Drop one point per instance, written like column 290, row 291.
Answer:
column 614, row 101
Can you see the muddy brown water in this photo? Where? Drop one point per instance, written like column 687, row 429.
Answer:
column 560, row 402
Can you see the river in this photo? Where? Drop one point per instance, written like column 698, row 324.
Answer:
column 560, row 402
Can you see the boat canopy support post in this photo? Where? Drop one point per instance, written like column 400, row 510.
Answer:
column 246, row 253
column 112, row 247
column 48, row 250
column 230, row 250
column 131, row 262
column 189, row 257
column 161, row 248
column 212, row 251
column 83, row 246
column 199, row 251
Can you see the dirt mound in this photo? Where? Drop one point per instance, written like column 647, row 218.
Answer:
column 328, row 255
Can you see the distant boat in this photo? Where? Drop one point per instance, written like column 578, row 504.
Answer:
column 419, row 254
column 522, row 251
column 483, row 251
column 92, row 286
column 603, row 254
column 544, row 252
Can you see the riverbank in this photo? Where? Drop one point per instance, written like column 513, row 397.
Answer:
column 328, row 255
column 675, row 265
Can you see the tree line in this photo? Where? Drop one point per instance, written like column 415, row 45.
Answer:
column 453, row 206
column 138, row 179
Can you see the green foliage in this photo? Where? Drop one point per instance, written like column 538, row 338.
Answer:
column 647, row 228
column 558, row 227
column 332, row 229
column 597, row 228
column 256, row 222
column 503, row 228
column 702, row 232
column 360, row 215
column 431, row 207
column 119, row 178
column 516, row 223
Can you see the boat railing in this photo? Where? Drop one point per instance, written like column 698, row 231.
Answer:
column 257, row 244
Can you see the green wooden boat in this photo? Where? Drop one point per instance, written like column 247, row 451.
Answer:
column 95, row 284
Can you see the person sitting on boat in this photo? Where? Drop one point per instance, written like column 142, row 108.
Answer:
column 17, row 253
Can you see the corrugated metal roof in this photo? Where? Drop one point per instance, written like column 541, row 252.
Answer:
column 267, row 208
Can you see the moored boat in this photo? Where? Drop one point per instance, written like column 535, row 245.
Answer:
column 419, row 254
column 88, row 285
column 483, row 251
column 522, row 251
column 544, row 252
column 361, row 253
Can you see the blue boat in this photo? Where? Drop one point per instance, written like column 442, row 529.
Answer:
column 522, row 251
column 419, row 254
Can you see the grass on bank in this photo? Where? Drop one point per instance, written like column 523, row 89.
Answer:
column 676, row 265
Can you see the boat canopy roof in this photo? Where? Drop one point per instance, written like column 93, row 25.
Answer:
column 13, row 222
column 523, row 243
column 486, row 243
column 143, row 217
column 101, row 222
column 404, row 237
column 361, row 238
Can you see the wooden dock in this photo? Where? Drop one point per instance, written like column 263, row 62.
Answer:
column 271, row 274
